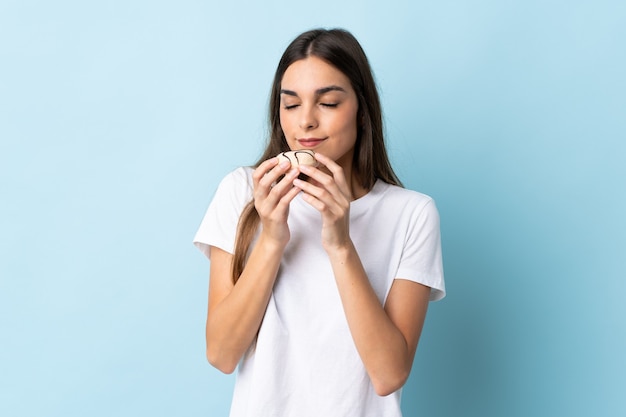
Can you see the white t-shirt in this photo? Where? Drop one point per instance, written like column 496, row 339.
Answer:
column 304, row 361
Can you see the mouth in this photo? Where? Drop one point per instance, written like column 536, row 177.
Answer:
column 310, row 142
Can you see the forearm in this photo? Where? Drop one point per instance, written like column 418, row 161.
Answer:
column 234, row 322
column 381, row 345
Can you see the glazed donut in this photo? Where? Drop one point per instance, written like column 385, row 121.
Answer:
column 301, row 157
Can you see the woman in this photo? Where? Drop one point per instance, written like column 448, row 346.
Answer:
column 319, row 287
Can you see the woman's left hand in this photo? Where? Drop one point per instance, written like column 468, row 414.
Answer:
column 331, row 196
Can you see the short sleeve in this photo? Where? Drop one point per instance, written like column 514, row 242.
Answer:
column 219, row 225
column 421, row 257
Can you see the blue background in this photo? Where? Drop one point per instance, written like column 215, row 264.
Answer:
column 118, row 118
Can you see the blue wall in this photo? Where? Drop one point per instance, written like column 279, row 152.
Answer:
column 118, row 118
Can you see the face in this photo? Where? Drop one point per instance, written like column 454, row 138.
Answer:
column 318, row 110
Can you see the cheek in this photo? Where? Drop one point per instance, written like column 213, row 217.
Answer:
column 348, row 124
column 285, row 121
column 283, row 124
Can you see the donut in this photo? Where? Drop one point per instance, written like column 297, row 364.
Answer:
column 302, row 157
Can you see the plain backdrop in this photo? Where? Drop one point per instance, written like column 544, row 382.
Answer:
column 118, row 119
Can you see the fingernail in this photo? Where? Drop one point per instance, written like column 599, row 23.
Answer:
column 285, row 164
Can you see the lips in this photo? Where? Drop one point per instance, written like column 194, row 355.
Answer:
column 310, row 142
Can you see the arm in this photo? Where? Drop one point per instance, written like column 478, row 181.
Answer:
column 385, row 337
column 235, row 311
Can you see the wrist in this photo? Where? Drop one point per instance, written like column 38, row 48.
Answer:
column 341, row 252
column 271, row 244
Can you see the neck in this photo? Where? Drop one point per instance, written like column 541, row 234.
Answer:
column 356, row 189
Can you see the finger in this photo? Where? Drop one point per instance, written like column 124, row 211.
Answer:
column 263, row 169
column 285, row 183
column 271, row 198
column 336, row 170
column 268, row 172
column 322, row 199
column 314, row 202
column 335, row 185
column 288, row 197
column 278, row 204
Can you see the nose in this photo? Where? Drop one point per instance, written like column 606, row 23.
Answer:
column 308, row 118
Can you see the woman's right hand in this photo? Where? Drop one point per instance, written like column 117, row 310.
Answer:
column 236, row 311
column 272, row 195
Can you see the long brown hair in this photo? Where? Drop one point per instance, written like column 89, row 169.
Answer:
column 340, row 49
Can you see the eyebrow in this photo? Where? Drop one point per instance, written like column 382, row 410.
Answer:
column 318, row 92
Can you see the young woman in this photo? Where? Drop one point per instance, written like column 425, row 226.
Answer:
column 319, row 287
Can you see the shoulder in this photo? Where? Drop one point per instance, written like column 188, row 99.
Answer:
column 238, row 181
column 239, row 176
column 219, row 225
column 397, row 196
column 235, row 189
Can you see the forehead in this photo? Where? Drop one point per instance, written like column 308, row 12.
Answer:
column 311, row 74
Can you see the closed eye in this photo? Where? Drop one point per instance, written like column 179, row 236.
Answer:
column 331, row 105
